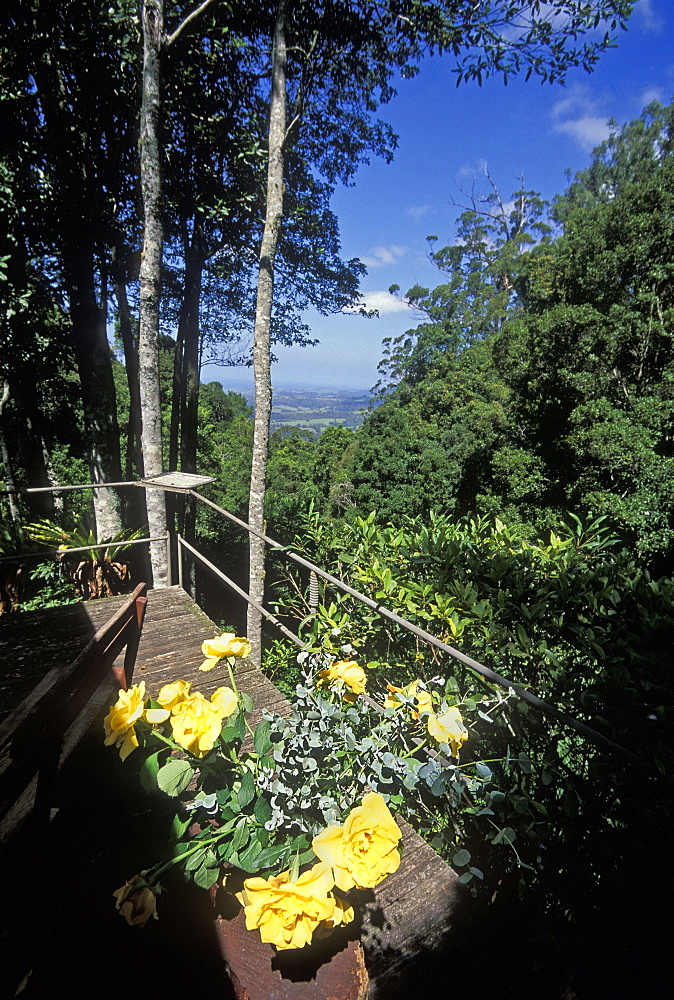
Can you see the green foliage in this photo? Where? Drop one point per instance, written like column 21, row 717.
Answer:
column 80, row 535
column 542, row 381
column 572, row 617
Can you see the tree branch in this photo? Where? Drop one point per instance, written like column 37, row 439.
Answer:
column 170, row 39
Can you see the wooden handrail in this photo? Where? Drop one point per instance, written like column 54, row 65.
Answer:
column 37, row 738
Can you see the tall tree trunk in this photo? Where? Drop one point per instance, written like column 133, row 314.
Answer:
column 14, row 511
column 189, row 400
column 261, row 341
column 150, row 280
column 134, row 454
column 94, row 364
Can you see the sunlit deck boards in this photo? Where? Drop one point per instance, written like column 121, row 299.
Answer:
column 413, row 910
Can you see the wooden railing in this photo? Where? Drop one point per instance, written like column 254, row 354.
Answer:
column 39, row 736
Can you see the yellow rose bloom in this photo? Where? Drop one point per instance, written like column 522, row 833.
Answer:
column 448, row 728
column 287, row 913
column 136, row 906
column 155, row 716
column 120, row 720
column 225, row 701
column 422, row 698
column 226, row 644
column 363, row 851
column 196, row 724
column 347, row 671
column 171, row 695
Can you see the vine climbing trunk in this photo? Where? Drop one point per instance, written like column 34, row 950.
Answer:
column 150, row 280
column 262, row 332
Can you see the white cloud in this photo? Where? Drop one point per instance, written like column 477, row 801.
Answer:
column 650, row 19
column 383, row 256
column 579, row 116
column 652, row 94
column 382, row 301
column 472, row 169
column 417, row 212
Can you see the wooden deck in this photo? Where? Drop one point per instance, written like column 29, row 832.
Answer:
column 409, row 931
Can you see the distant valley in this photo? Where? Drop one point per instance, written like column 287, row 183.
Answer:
column 315, row 409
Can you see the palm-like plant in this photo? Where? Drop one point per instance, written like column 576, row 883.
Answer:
column 95, row 572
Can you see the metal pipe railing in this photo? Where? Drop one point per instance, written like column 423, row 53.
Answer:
column 84, row 548
column 543, row 706
column 522, row 692
column 237, row 590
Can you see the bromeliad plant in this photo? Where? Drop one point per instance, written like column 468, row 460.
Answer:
column 300, row 803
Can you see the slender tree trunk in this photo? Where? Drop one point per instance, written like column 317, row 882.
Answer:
column 14, row 511
column 261, row 341
column 194, row 268
column 150, row 280
column 134, row 454
column 92, row 355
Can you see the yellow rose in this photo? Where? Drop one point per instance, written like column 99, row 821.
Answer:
column 226, row 644
column 422, row 698
column 136, row 906
column 287, row 913
column 171, row 695
column 448, row 728
column 196, row 724
column 120, row 719
column 343, row 915
column 225, row 701
column 363, row 851
column 347, row 671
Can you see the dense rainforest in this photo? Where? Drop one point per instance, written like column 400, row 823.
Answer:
column 511, row 489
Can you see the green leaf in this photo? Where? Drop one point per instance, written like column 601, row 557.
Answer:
column 174, row 777
column 246, row 701
column 240, row 838
column 178, row 827
column 148, row 772
column 461, row 858
column 207, row 875
column 267, row 857
column 262, row 810
column 197, row 859
column 248, row 858
column 261, row 740
column 246, row 792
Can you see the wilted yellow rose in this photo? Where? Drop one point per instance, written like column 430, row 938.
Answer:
column 363, row 851
column 136, row 906
column 287, row 913
column 120, row 720
column 448, row 728
column 226, row 644
column 196, row 723
column 422, row 697
column 347, row 671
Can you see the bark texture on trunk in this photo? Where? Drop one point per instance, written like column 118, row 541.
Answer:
column 150, row 280
column 189, row 398
column 261, row 341
column 94, row 364
column 14, row 511
column 134, row 454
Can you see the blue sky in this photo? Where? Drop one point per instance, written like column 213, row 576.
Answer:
column 446, row 135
